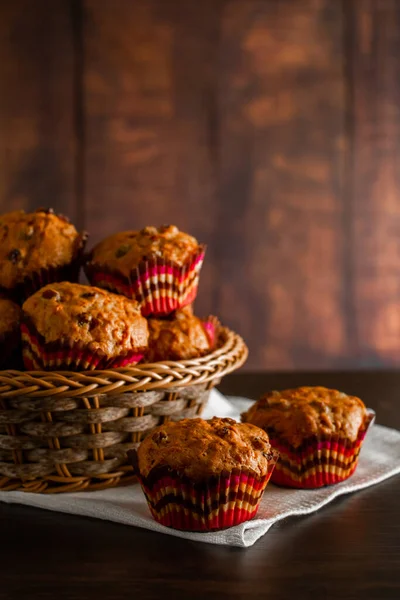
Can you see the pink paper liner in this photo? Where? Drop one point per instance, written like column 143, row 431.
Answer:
column 319, row 462
column 211, row 328
column 37, row 355
column 159, row 286
column 221, row 502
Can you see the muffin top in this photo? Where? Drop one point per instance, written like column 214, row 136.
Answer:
column 180, row 337
column 32, row 241
column 124, row 251
column 10, row 315
column 201, row 449
column 104, row 322
column 298, row 414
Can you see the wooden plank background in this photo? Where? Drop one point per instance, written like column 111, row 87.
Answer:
column 270, row 130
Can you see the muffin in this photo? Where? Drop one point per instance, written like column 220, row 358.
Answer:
column 73, row 326
column 180, row 337
column 10, row 337
column 204, row 475
column 159, row 267
column 317, row 431
column 36, row 249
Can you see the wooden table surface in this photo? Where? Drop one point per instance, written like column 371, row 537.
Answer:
column 348, row 550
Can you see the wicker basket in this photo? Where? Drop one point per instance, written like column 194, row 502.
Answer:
column 67, row 431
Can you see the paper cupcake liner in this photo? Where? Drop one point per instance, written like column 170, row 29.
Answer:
column 158, row 285
column 211, row 326
column 38, row 279
column 221, row 502
column 67, row 355
column 318, row 462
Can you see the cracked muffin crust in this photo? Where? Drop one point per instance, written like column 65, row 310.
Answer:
column 300, row 413
column 128, row 249
column 201, row 449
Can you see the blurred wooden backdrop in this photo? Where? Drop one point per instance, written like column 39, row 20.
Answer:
column 269, row 129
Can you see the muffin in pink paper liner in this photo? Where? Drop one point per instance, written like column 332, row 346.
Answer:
column 318, row 433
column 77, row 327
column 159, row 267
column 180, row 336
column 204, row 475
column 38, row 248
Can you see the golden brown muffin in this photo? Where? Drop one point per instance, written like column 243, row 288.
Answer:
column 10, row 316
column 35, row 247
column 128, row 249
column 180, row 337
column 159, row 267
column 204, row 475
column 298, row 414
column 201, row 449
column 68, row 314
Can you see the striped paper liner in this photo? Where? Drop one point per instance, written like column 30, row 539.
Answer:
column 159, row 286
column 221, row 502
column 211, row 326
column 319, row 461
column 65, row 355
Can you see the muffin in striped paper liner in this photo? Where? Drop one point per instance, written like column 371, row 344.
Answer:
column 319, row 461
column 76, row 327
column 204, row 475
column 38, row 248
column 318, row 433
column 158, row 267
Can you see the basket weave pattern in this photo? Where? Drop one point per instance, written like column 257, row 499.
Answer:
column 67, row 431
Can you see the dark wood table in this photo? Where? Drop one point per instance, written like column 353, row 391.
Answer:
column 348, row 550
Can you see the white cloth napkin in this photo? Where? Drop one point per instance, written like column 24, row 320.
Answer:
column 379, row 459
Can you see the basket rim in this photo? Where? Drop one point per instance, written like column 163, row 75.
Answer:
column 231, row 353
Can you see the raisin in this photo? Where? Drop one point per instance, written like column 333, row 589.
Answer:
column 93, row 323
column 88, row 295
column 268, row 455
column 82, row 320
column 49, row 294
column 122, row 250
column 14, row 256
column 258, row 444
column 224, row 431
